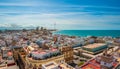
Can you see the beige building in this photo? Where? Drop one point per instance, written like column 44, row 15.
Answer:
column 50, row 65
column 32, row 62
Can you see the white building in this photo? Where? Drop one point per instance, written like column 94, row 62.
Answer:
column 50, row 65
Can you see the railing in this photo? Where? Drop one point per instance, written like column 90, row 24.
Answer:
column 46, row 60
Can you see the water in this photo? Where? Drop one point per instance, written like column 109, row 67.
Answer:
column 84, row 33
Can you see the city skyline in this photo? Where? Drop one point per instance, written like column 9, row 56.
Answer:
column 67, row 14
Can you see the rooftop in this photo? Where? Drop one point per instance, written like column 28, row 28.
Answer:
column 50, row 65
column 95, row 45
column 93, row 64
column 64, row 66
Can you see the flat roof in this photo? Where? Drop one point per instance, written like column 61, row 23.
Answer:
column 64, row 66
column 50, row 65
column 92, row 64
column 95, row 45
column 44, row 51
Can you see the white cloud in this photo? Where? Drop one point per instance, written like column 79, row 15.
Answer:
column 63, row 20
column 16, row 4
column 62, row 14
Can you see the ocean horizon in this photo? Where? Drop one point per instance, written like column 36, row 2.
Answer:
column 81, row 33
column 85, row 33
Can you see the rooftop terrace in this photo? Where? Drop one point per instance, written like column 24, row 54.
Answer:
column 93, row 64
column 95, row 45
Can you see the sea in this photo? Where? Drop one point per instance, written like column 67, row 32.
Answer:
column 85, row 33
column 81, row 33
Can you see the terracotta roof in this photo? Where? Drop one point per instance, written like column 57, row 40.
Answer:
column 93, row 64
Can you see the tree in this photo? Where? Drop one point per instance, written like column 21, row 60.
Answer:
column 81, row 63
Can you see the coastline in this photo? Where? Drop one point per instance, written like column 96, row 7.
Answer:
column 78, row 33
column 41, row 41
column 85, row 33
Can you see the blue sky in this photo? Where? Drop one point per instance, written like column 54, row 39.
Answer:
column 67, row 14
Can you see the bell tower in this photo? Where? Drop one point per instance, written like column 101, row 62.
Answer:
column 67, row 51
